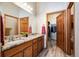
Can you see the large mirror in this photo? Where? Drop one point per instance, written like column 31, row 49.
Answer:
column 11, row 25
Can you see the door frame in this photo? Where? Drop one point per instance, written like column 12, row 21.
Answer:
column 69, row 13
column 47, row 24
column 4, row 22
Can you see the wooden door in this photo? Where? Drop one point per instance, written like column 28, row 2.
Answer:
column 60, row 31
column 24, row 23
column 68, row 32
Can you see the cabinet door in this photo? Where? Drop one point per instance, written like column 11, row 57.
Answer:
column 0, row 54
column 28, row 52
column 20, row 54
column 35, row 49
column 34, row 53
column 34, row 44
column 39, row 45
column 42, row 42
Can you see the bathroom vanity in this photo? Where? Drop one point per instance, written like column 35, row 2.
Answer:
column 20, row 46
column 24, row 47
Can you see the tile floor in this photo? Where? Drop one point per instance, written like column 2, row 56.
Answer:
column 52, row 51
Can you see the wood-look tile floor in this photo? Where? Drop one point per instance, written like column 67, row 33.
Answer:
column 52, row 51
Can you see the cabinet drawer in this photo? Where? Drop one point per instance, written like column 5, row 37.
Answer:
column 29, row 43
column 28, row 52
column 20, row 54
column 35, row 41
column 16, row 49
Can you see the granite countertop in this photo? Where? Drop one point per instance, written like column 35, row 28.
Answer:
column 21, row 40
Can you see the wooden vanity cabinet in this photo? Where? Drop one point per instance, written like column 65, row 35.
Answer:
column 27, row 49
column 17, row 50
column 35, row 47
column 28, row 52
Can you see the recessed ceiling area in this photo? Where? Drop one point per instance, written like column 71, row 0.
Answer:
column 25, row 6
column 35, row 8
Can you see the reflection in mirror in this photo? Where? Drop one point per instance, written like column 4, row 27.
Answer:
column 11, row 25
column 24, row 24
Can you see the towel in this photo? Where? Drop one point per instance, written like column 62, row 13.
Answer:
column 43, row 30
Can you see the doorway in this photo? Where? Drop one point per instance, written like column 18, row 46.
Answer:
column 64, row 30
column 52, row 33
column 55, row 39
column 55, row 21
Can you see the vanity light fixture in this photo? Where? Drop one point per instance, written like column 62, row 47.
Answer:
column 27, row 6
column 24, row 3
column 30, row 8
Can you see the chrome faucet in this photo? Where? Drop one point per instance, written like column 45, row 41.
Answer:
column 11, row 38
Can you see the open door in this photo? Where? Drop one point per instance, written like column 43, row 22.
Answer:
column 60, row 31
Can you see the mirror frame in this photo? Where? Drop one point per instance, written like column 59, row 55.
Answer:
column 6, row 15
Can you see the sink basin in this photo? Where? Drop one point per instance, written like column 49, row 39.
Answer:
column 12, row 43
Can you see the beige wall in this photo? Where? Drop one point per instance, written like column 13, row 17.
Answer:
column 77, row 29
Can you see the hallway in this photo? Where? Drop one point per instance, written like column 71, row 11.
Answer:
column 52, row 51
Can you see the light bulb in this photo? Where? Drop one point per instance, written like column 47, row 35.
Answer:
column 25, row 4
column 31, row 8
